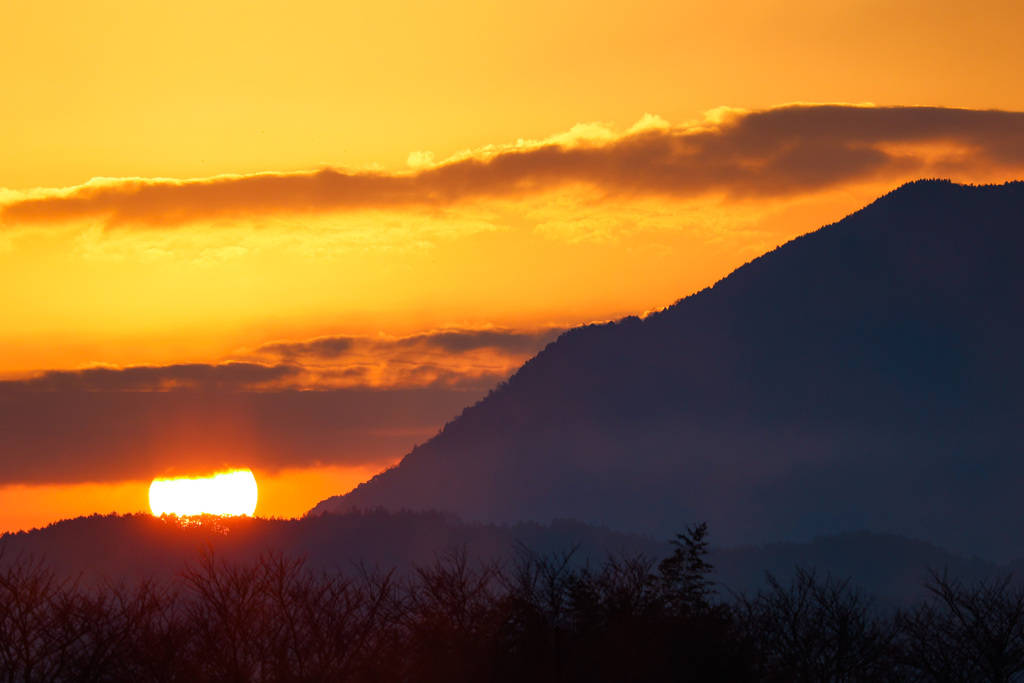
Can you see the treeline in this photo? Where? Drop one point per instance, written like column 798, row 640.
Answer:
column 126, row 546
column 535, row 618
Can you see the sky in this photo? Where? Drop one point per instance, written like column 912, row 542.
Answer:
column 302, row 237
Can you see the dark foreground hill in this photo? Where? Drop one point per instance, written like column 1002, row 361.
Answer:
column 867, row 375
column 227, row 615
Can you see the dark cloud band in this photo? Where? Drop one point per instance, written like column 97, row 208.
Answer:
column 110, row 424
column 780, row 151
column 230, row 376
column 95, row 436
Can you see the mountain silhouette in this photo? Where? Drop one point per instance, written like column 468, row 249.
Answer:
column 128, row 547
column 104, row 550
column 867, row 375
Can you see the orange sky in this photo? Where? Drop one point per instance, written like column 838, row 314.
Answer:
column 232, row 199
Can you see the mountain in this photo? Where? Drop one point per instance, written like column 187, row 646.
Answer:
column 868, row 375
column 892, row 569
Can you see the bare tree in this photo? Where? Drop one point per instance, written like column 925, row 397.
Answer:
column 966, row 632
column 816, row 630
column 40, row 622
column 450, row 618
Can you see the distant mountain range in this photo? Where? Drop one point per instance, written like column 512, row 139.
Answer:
column 124, row 547
column 868, row 375
column 110, row 549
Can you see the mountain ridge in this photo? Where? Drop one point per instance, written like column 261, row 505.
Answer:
column 850, row 378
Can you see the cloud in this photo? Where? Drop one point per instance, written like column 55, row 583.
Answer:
column 190, row 376
column 419, row 159
column 776, row 152
column 345, row 400
column 321, row 347
column 447, row 340
column 463, row 340
column 451, row 357
column 70, row 436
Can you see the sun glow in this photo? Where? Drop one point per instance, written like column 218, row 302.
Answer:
column 226, row 493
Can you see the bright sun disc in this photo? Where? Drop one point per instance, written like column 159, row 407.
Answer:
column 227, row 493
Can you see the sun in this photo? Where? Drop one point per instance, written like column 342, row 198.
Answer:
column 224, row 493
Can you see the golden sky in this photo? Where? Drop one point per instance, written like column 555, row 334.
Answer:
column 300, row 237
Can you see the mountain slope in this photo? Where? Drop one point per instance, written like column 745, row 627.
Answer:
column 866, row 375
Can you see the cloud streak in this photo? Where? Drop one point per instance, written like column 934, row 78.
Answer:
column 777, row 152
column 187, row 376
column 448, row 341
column 449, row 358
column 342, row 400
column 110, row 435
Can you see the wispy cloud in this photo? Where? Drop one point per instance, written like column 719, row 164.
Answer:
column 229, row 376
column 453, row 358
column 346, row 399
column 777, row 152
column 446, row 340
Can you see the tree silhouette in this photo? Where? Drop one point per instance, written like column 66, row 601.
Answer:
column 966, row 632
column 686, row 574
column 816, row 630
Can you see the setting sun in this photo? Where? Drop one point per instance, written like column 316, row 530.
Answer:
column 226, row 493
